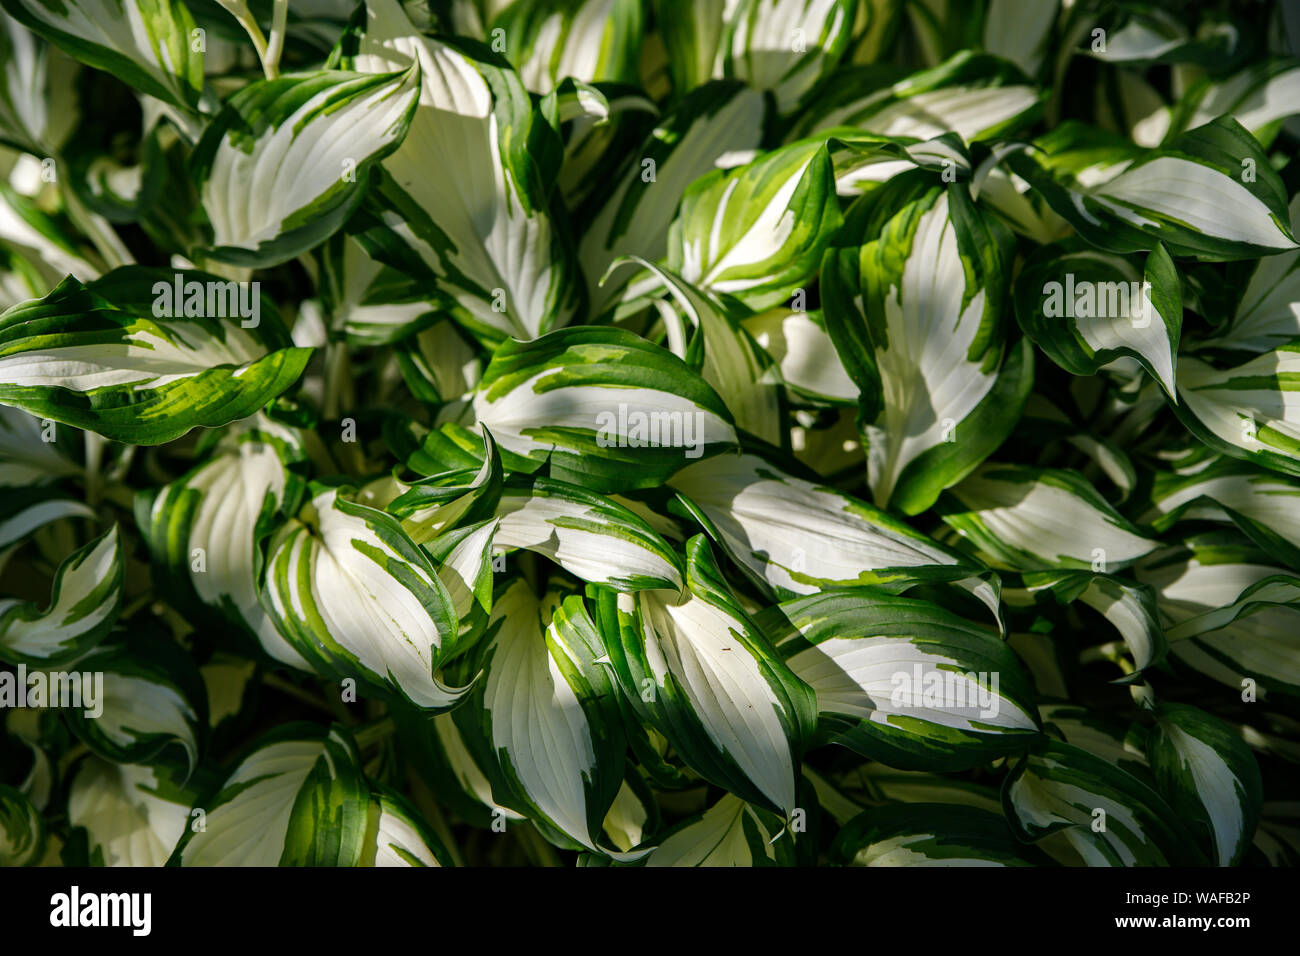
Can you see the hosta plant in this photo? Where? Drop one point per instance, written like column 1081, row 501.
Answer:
column 649, row 433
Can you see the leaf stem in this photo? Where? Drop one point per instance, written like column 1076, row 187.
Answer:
column 275, row 45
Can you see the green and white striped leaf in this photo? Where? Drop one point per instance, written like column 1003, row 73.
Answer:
column 39, row 249
column 1256, row 97
column 464, row 559
column 1021, row 31
column 711, row 127
column 865, row 161
column 929, row 834
column 757, row 232
column 438, row 363
column 1267, row 314
column 1249, row 411
column 606, row 408
column 287, row 160
column 974, row 95
column 30, row 451
column 25, row 511
column 397, row 836
column 695, row 667
column 729, row 833
column 109, row 358
column 551, row 714
column 206, row 527
column 795, row 537
column 691, row 31
column 786, row 46
column 1191, row 196
column 726, row 357
column 1212, row 594
column 1100, row 734
column 1262, row 504
column 906, row 682
column 1209, row 775
column 589, row 535
column 1086, row 309
column 1108, row 817
column 152, row 697
column 84, row 600
column 1148, row 35
column 149, row 44
column 1131, row 608
column 590, row 40
column 803, row 353
column 443, row 756
column 356, row 597
column 480, row 228
column 915, row 317
column 1030, row 519
column 298, row 798
column 38, row 108
column 133, row 815
column 373, row 304
column 22, row 832
column 432, row 506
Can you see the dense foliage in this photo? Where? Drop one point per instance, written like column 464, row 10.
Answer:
column 649, row 432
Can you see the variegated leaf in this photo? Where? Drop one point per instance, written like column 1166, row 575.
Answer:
column 697, row 669
column 974, row 95
column 915, row 315
column 1209, row 776
column 286, row 161
column 589, row 535
column 786, row 46
column 298, row 798
column 84, row 600
column 929, row 834
column 22, row 831
column 149, row 44
column 150, row 695
column 550, row 713
column 589, row 40
column 356, row 597
column 1107, row 816
column 757, row 232
column 144, row 355
column 905, row 682
column 480, row 228
column 713, row 125
column 206, row 527
column 797, row 537
column 1190, row 196
column 133, row 815
column 606, row 408
column 396, row 836
column 1086, row 309
column 729, row 833
column 1032, row 519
